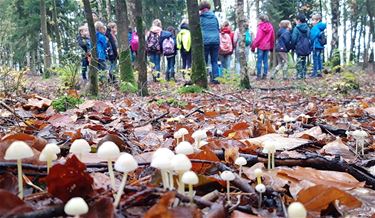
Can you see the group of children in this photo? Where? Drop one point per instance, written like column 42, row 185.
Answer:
column 220, row 43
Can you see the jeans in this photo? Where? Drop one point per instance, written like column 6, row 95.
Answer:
column 213, row 52
column 301, row 67
column 186, row 59
column 170, row 68
column 317, row 62
column 225, row 62
column 85, row 64
column 238, row 65
column 262, row 58
column 282, row 63
column 155, row 59
column 112, row 69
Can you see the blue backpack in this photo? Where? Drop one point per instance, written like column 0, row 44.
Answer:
column 248, row 39
column 303, row 45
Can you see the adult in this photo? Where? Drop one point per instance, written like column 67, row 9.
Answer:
column 112, row 51
column 263, row 42
column 211, row 38
column 153, row 46
column 318, row 41
column 302, row 45
column 184, row 45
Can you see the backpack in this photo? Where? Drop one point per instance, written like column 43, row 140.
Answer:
column 248, row 39
column 226, row 45
column 303, row 45
column 134, row 42
column 153, row 44
column 322, row 38
column 168, row 47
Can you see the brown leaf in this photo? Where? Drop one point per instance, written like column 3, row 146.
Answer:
column 9, row 182
column 211, row 114
column 186, row 212
column 11, row 204
column 204, row 154
column 238, row 214
column 37, row 102
column 282, row 143
column 261, row 128
column 332, row 111
column 61, row 120
column 161, row 209
column 101, row 207
column 338, row 147
column 317, row 198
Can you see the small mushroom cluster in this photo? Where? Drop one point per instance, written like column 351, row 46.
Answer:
column 360, row 137
column 270, row 149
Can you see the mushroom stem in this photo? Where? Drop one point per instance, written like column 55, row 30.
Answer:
column 240, row 173
column 111, row 174
column 273, row 160
column 191, row 194
column 177, row 141
column 164, row 178
column 259, row 180
column 20, row 180
column 181, row 187
column 49, row 164
column 183, row 137
column 260, row 200
column 171, row 185
column 356, row 146
column 121, row 189
column 269, row 160
column 228, row 189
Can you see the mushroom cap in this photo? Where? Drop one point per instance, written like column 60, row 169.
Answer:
column 177, row 135
column 18, row 150
column 227, row 176
column 258, row 172
column 260, row 188
column 183, row 131
column 161, row 163
column 345, row 115
column 269, row 146
column 297, row 210
column 76, row 206
column 363, row 133
column 49, row 152
column 184, row 148
column 190, row 178
column 302, row 115
column 282, row 130
column 108, row 151
column 181, row 162
column 199, row 134
column 240, row 161
column 163, row 152
column 80, row 146
column 286, row 118
column 126, row 163
column 261, row 116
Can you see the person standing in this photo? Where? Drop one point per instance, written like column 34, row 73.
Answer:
column 112, row 50
column 184, row 45
column 226, row 46
column 153, row 46
column 211, row 38
column 301, row 44
column 318, row 40
column 85, row 43
column 101, row 45
column 169, row 50
column 263, row 42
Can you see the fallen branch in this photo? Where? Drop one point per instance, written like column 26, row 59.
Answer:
column 54, row 211
column 274, row 88
column 152, row 120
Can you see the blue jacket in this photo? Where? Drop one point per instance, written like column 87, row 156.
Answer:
column 210, row 28
column 164, row 35
column 300, row 29
column 101, row 46
column 283, row 40
column 314, row 34
column 84, row 43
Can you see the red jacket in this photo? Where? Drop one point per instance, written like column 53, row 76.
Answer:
column 228, row 31
column 265, row 38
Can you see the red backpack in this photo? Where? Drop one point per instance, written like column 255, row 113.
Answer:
column 226, row 45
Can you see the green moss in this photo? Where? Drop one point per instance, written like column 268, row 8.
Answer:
column 66, row 102
column 190, row 89
column 128, row 87
column 172, row 102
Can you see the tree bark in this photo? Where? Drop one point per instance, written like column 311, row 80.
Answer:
column 56, row 30
column 100, row 9
column 199, row 73
column 371, row 13
column 360, row 36
column 241, row 21
column 45, row 38
column 141, row 54
column 93, row 72
column 335, row 13
column 126, row 71
column 108, row 9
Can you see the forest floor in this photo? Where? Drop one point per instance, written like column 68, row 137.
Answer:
column 316, row 160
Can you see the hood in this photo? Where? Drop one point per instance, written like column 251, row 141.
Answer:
column 265, row 26
column 155, row 29
column 208, row 14
column 226, row 30
column 281, row 31
column 184, row 26
column 166, row 34
column 321, row 26
column 302, row 27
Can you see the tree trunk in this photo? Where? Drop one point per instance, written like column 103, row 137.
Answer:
column 371, row 13
column 241, row 21
column 131, row 10
column 359, row 37
column 257, row 7
column 100, row 9
column 93, row 73
column 199, row 73
column 217, row 4
column 45, row 38
column 108, row 9
column 56, row 30
column 126, row 71
column 335, row 13
column 141, row 54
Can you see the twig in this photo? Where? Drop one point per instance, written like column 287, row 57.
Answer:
column 198, row 109
column 152, row 120
column 4, row 105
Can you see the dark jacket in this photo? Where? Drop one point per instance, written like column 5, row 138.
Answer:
column 314, row 35
column 300, row 29
column 112, row 45
column 84, row 43
column 283, row 40
column 165, row 35
column 210, row 28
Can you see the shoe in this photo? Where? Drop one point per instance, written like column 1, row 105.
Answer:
column 319, row 75
column 215, row 82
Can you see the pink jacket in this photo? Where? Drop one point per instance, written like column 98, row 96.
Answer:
column 265, row 38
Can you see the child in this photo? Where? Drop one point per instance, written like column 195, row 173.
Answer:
column 169, row 50
column 153, row 46
column 282, row 48
column 101, row 44
column 226, row 45
column 264, row 42
column 84, row 42
column 302, row 45
column 318, row 41
column 112, row 49
column 184, row 45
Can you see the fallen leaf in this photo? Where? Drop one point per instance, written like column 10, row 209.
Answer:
column 337, row 147
column 100, row 208
column 12, row 205
column 282, row 143
column 239, row 214
column 204, row 154
column 9, row 182
column 161, row 209
column 186, row 212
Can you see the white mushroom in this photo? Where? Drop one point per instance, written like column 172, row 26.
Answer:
column 80, row 147
column 359, row 136
column 180, row 163
column 183, row 132
column 227, row 176
column 125, row 164
column 198, row 136
column 161, row 160
column 109, row 151
column 297, row 210
column 19, row 150
column 191, row 179
column 240, row 161
column 269, row 148
column 260, row 188
column 184, row 147
column 76, row 207
column 177, row 135
column 49, row 153
column 258, row 173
